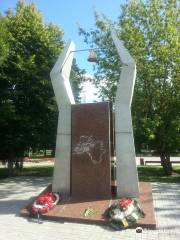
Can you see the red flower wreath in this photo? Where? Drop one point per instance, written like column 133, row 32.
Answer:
column 45, row 202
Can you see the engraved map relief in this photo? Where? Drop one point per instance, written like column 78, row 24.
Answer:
column 93, row 148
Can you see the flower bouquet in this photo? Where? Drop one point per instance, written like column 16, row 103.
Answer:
column 124, row 213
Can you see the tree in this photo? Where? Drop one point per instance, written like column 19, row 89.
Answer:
column 27, row 105
column 4, row 46
column 76, row 78
column 108, row 65
column 149, row 30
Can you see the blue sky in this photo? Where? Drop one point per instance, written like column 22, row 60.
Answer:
column 68, row 14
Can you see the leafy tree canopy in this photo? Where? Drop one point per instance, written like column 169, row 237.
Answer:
column 29, row 48
column 149, row 30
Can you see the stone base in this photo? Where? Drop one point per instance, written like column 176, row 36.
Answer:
column 72, row 210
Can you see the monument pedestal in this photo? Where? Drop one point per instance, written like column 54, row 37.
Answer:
column 72, row 209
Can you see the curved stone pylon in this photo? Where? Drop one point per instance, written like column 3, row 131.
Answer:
column 64, row 97
column 126, row 171
column 127, row 179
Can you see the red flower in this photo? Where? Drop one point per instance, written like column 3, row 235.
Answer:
column 46, row 199
column 45, row 202
column 125, row 202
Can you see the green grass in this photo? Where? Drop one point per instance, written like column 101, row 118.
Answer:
column 146, row 173
column 156, row 174
column 39, row 171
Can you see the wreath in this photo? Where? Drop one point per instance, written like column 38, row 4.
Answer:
column 124, row 213
column 45, row 202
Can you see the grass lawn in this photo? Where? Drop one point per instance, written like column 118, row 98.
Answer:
column 146, row 173
column 39, row 171
column 154, row 173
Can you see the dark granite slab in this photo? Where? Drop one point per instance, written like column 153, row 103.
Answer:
column 90, row 162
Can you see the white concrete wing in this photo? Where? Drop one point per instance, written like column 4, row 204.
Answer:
column 64, row 97
column 127, row 178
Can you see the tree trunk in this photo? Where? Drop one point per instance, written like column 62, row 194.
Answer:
column 21, row 164
column 10, row 166
column 44, row 151
column 17, row 163
column 166, row 164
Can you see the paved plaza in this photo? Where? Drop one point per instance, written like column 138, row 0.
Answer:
column 15, row 193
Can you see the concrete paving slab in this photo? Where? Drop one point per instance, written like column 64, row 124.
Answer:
column 17, row 192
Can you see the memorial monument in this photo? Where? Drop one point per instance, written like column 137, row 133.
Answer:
column 81, row 138
column 89, row 136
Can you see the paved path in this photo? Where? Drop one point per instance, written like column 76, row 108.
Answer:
column 51, row 163
column 15, row 194
column 150, row 158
